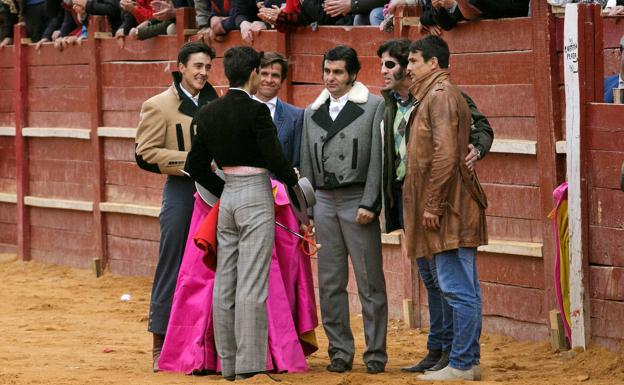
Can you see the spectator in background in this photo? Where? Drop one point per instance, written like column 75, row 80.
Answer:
column 162, row 21
column 246, row 18
column 10, row 14
column 300, row 13
column 108, row 8
column 133, row 13
column 35, row 17
column 213, row 18
column 444, row 14
column 56, row 13
column 617, row 80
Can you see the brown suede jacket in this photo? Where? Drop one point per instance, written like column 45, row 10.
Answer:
column 437, row 179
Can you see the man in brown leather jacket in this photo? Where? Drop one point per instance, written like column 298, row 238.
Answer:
column 444, row 205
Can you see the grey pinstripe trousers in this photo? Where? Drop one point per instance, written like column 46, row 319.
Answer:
column 341, row 237
column 245, row 234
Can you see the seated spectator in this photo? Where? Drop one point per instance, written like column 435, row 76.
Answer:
column 446, row 13
column 35, row 17
column 10, row 15
column 298, row 13
column 162, row 21
column 133, row 13
column 213, row 18
column 617, row 80
column 246, row 18
column 108, row 8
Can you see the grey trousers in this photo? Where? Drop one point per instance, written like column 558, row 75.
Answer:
column 341, row 235
column 245, row 234
column 175, row 219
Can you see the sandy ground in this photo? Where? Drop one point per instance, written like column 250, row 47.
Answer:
column 63, row 326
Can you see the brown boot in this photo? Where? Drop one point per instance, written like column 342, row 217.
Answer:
column 158, row 339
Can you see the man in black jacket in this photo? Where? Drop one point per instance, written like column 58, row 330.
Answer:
column 238, row 133
column 399, row 105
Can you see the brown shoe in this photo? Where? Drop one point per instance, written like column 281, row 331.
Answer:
column 158, row 340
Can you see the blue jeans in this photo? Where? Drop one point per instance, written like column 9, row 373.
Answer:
column 440, row 313
column 375, row 17
column 459, row 282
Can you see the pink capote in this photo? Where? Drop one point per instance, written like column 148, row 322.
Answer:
column 291, row 307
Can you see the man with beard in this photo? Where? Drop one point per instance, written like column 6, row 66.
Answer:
column 399, row 106
column 163, row 140
column 341, row 156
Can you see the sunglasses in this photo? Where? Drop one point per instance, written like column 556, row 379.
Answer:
column 389, row 64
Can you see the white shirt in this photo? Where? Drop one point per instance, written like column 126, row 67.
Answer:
column 272, row 104
column 336, row 105
column 195, row 98
column 621, row 83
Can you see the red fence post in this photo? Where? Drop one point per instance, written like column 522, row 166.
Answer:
column 547, row 119
column 185, row 21
column 21, row 147
column 95, row 108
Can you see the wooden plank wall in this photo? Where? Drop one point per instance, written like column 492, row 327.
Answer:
column 606, row 223
column 605, row 134
column 499, row 73
column 8, row 217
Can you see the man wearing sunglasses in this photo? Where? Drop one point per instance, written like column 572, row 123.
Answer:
column 395, row 131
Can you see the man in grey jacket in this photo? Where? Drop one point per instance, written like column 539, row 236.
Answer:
column 341, row 155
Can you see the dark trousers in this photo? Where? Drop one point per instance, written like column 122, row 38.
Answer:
column 175, row 218
column 36, row 21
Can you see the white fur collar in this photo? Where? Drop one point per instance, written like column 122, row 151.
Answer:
column 358, row 94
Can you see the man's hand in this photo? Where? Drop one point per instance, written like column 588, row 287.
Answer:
column 473, row 156
column 247, row 31
column 163, row 10
column 134, row 33
column 216, row 25
column 429, row 30
column 364, row 217
column 446, row 4
column 6, row 41
column 392, row 6
column 431, row 221
column 269, row 15
column 127, row 5
column 335, row 8
column 616, row 11
column 308, row 229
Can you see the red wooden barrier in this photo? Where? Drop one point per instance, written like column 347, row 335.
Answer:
column 79, row 195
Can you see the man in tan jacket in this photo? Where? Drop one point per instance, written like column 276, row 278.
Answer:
column 443, row 204
column 163, row 140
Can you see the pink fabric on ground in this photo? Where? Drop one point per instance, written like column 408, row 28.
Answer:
column 291, row 307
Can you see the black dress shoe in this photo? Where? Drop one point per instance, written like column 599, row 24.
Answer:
column 338, row 365
column 230, row 378
column 244, row 376
column 442, row 362
column 374, row 367
column 432, row 358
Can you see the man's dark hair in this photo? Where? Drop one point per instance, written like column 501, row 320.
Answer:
column 432, row 46
column 238, row 63
column 272, row 57
column 397, row 49
column 348, row 54
column 194, row 47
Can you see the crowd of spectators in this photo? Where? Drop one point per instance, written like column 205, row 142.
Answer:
column 64, row 21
